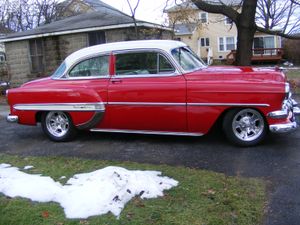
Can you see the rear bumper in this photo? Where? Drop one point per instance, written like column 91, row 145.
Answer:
column 12, row 119
column 290, row 111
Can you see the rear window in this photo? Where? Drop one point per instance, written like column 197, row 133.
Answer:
column 59, row 72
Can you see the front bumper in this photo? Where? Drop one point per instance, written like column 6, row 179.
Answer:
column 290, row 111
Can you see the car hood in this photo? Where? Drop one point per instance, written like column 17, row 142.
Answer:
column 234, row 73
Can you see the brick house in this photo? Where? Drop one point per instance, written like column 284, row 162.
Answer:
column 37, row 53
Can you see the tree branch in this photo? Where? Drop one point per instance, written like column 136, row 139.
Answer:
column 278, row 33
column 217, row 8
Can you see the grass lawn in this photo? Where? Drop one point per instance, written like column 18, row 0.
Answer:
column 201, row 198
column 294, row 79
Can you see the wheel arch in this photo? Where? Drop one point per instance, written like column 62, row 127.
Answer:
column 220, row 119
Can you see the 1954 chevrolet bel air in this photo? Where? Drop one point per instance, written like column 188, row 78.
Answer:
column 154, row 87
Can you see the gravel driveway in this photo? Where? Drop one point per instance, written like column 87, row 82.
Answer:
column 276, row 160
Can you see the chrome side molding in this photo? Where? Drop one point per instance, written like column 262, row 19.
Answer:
column 85, row 107
column 147, row 132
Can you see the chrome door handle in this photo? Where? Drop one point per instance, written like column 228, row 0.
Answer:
column 115, row 81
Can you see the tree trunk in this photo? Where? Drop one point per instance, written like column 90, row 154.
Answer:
column 244, row 46
column 246, row 29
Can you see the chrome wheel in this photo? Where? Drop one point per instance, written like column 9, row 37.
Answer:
column 248, row 125
column 57, row 124
column 244, row 127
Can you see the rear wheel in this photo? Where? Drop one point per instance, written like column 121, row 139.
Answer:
column 244, row 127
column 58, row 126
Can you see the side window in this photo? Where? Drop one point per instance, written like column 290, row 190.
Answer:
column 142, row 63
column 93, row 67
column 165, row 66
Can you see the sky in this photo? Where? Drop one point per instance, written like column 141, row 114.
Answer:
column 151, row 11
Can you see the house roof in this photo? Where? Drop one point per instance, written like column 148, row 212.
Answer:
column 190, row 5
column 185, row 29
column 106, row 17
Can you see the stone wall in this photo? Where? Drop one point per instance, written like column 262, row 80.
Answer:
column 129, row 34
column 71, row 43
column 17, row 56
column 57, row 48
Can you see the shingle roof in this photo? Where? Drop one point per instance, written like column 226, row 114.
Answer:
column 105, row 17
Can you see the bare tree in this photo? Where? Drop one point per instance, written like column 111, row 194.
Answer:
column 21, row 15
column 278, row 15
column 133, row 14
column 297, row 2
column 182, row 14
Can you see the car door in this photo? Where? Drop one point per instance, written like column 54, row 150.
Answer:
column 146, row 93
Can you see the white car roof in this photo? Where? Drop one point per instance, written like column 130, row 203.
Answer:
column 166, row 45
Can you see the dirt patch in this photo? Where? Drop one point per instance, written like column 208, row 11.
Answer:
column 2, row 99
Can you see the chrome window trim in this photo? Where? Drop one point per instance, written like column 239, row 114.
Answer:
column 146, row 75
column 81, row 107
column 83, row 78
column 147, row 132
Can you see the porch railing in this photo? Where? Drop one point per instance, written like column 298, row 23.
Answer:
column 259, row 55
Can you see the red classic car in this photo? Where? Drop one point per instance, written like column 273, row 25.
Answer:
column 154, row 87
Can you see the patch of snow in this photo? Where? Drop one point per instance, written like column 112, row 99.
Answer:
column 28, row 167
column 4, row 165
column 62, row 177
column 87, row 194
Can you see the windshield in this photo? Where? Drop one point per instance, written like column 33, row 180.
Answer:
column 59, row 71
column 187, row 59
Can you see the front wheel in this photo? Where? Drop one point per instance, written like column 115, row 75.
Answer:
column 58, row 126
column 244, row 127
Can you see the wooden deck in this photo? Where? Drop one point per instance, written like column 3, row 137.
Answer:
column 273, row 55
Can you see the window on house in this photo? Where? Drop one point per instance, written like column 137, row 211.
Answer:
column 204, row 42
column 36, row 55
column 93, row 67
column 142, row 63
column 226, row 43
column 2, row 58
column 203, row 16
column 230, row 44
column 228, row 21
column 261, row 43
column 221, row 44
column 96, row 38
